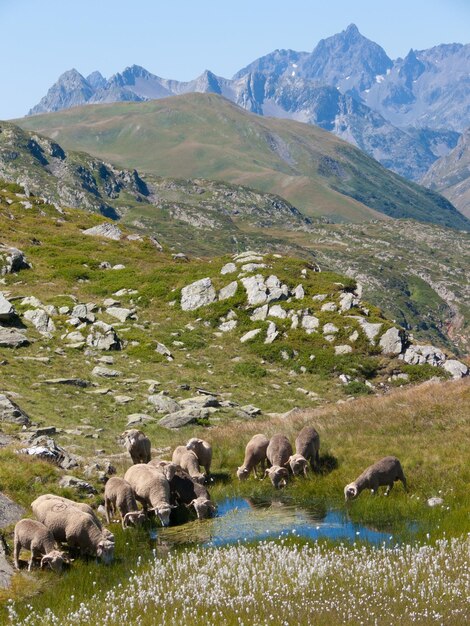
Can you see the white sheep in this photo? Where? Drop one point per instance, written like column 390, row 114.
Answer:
column 298, row 464
column 34, row 536
column 167, row 467
column 75, row 527
column 278, row 476
column 203, row 450
column 307, row 444
column 384, row 472
column 119, row 496
column 152, row 489
column 203, row 507
column 188, row 461
column 137, row 444
column 255, row 454
column 279, row 450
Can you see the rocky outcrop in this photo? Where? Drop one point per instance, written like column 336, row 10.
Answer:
column 7, row 310
column 41, row 321
column 108, row 231
column 12, row 260
column 456, row 369
column 12, row 338
column 392, row 341
column 197, row 294
column 11, row 412
column 103, row 337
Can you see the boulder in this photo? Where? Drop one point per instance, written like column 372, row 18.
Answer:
column 7, row 310
column 11, row 412
column 343, row 349
column 310, row 323
column 200, row 402
column 139, row 418
column 371, row 330
column 347, row 301
column 12, row 260
column 72, row 482
column 419, row 354
column 277, row 311
column 163, row 404
column 11, row 338
column 271, row 333
column 47, row 449
column 252, row 267
column 229, row 291
column 392, row 341
column 299, row 292
column 197, row 294
column 184, row 417
column 74, row 339
column 329, row 306
column 105, row 372
column 228, row 268
column 83, row 313
column 456, row 369
column 330, row 329
column 260, row 313
column 120, row 313
column 103, row 337
column 226, row 327
column 74, row 382
column 107, row 230
column 250, row 335
column 41, row 321
column 256, row 290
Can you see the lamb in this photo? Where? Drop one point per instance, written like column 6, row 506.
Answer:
column 78, row 529
column 383, row 472
column 279, row 450
column 137, row 444
column 34, row 536
column 278, row 476
column 184, row 490
column 255, row 454
column 168, row 468
column 118, row 495
column 203, row 450
column 152, row 489
column 188, row 461
column 307, row 443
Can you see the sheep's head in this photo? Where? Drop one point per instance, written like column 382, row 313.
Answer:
column 193, row 444
column 163, row 512
column 278, row 476
column 203, row 507
column 298, row 464
column 105, row 551
column 350, row 491
column 169, row 469
column 199, row 478
column 55, row 560
column 242, row 473
column 133, row 518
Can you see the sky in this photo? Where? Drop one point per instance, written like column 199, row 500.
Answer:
column 41, row 39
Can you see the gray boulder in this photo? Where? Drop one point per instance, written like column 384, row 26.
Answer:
column 107, row 230
column 163, row 404
column 183, row 417
column 105, row 372
column 103, row 337
column 457, row 369
column 120, row 313
column 229, row 291
column 11, row 338
column 7, row 310
column 197, row 294
column 392, row 341
column 12, row 260
column 256, row 290
column 250, row 335
column 72, row 482
column 11, row 412
column 418, row 355
column 41, row 321
column 310, row 323
column 228, row 268
column 139, row 418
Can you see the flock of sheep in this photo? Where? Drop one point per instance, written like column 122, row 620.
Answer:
column 161, row 486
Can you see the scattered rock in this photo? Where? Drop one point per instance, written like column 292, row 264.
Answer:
column 256, row 289
column 120, row 313
column 252, row 267
column 319, row 297
column 197, row 294
column 105, row 372
column 347, row 301
column 418, row 355
column 7, row 310
column 11, row 412
column 299, row 292
column 329, row 306
column 371, row 330
column 123, row 399
column 271, row 333
column 184, row 417
column 228, row 268
column 48, row 450
column 392, row 341
column 163, row 404
column 83, row 312
column 201, row 402
column 226, row 327
column 163, row 350
column 310, row 323
column 260, row 314
column 12, row 260
column 41, row 321
column 250, row 335
column 343, row 349
column 107, row 230
column 457, row 369
column 277, row 311
column 435, row 501
column 103, row 337
column 75, row 382
column 139, row 418
column 229, row 291
column 11, row 338
column 76, row 483
column 330, row 329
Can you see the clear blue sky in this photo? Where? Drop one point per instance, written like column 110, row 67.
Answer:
column 40, row 39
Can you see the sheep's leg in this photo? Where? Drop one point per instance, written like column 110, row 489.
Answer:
column 16, row 554
column 107, row 508
column 389, row 488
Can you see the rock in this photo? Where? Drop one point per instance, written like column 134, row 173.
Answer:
column 343, row 349
column 123, row 399
column 75, row 339
column 139, row 418
column 76, row 483
column 103, row 337
column 260, row 314
column 180, row 256
column 163, row 350
column 201, row 402
column 330, row 329
column 276, row 290
column 12, row 260
column 75, row 382
column 163, row 404
column 41, row 321
column 299, row 292
column 248, row 257
column 120, row 313
column 345, row 378
column 105, row 372
column 457, row 369
column 391, row 342
column 251, row 410
column 401, row 376
column 104, row 265
column 154, row 241
column 417, row 355
column 319, row 297
column 125, row 292
column 252, row 267
column 226, row 327
column 11, row 412
column 83, row 313
column 32, row 301
column 184, row 417
column 119, row 266
column 354, row 336
column 107, row 230
column 371, row 330
column 277, row 311
column 48, row 450
column 295, row 321
column 197, row 294
column 11, row 338
column 256, row 290
column 10, row 512
column 229, row 291
column 7, row 310
column 109, row 302
column 228, row 268
column 329, row 306
column 250, row 335
column 347, row 301
column 310, row 323
column 271, row 333
column 435, row 501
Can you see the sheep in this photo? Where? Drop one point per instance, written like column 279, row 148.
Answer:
column 137, row 444
column 383, row 472
column 34, row 536
column 152, row 489
column 168, row 468
column 203, row 450
column 188, row 461
column 278, row 476
column 307, row 443
column 86, row 508
column 279, row 450
column 75, row 527
column 298, row 464
column 255, row 453
column 118, row 494
column 184, row 490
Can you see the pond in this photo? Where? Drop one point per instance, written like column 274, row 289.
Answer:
column 242, row 519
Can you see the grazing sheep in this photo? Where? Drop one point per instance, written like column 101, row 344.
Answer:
column 184, row 490
column 278, row 476
column 307, row 444
column 298, row 464
column 255, row 454
column 119, row 495
column 384, row 472
column 75, row 527
column 203, row 450
column 152, row 489
column 137, row 444
column 34, row 536
column 188, row 461
column 167, row 467
column 279, row 450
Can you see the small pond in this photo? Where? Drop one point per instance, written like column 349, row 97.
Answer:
column 240, row 519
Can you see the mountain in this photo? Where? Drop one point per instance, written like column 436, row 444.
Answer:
column 451, row 175
column 347, row 85
column 205, row 135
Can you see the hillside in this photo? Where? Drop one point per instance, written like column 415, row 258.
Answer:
column 450, row 175
column 206, row 136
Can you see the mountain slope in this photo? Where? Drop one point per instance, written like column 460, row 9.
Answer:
column 200, row 135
